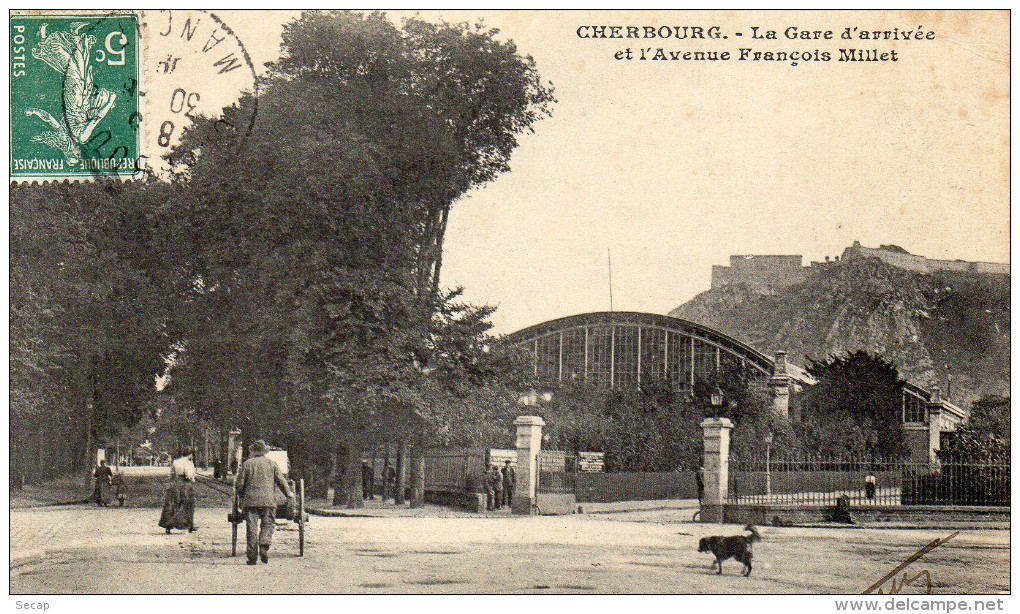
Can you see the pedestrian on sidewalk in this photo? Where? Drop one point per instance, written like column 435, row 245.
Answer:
column 367, row 481
column 497, row 486
column 699, row 478
column 179, row 500
column 102, row 492
column 255, row 489
column 509, row 483
column 119, row 489
column 490, row 491
column 870, row 484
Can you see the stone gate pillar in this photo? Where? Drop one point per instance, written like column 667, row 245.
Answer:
column 529, row 444
column 716, row 464
column 780, row 384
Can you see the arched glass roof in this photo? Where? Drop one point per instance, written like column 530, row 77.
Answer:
column 625, row 348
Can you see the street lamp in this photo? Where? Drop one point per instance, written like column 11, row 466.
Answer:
column 768, row 465
column 533, row 398
column 716, row 398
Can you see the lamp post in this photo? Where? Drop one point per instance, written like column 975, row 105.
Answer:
column 768, row 464
column 716, row 399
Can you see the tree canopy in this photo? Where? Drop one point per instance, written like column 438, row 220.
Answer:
column 289, row 276
column 855, row 406
column 985, row 434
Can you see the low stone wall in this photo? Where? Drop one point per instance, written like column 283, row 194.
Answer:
column 556, row 504
column 788, row 515
column 471, row 501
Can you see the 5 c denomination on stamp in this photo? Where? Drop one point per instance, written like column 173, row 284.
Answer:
column 74, row 95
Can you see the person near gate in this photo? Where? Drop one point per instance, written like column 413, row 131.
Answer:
column 699, row 478
column 490, row 491
column 102, row 493
column 497, row 487
column 255, row 487
column 509, row 483
column 367, row 481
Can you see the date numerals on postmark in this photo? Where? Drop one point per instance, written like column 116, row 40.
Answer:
column 181, row 103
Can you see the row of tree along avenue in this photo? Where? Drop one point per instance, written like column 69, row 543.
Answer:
column 284, row 281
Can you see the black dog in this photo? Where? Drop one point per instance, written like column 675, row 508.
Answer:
column 735, row 546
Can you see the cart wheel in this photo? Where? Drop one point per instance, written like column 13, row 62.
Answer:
column 301, row 518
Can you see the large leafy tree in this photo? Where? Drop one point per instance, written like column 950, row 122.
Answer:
column 854, row 407
column 985, row 434
column 306, row 253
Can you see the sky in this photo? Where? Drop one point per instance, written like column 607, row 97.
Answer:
column 672, row 166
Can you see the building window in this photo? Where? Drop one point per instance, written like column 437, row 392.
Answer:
column 549, row 357
column 600, row 339
column 625, row 354
column 573, row 355
column 913, row 408
column 653, row 347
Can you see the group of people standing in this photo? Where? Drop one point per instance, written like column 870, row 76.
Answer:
column 499, row 486
column 389, row 476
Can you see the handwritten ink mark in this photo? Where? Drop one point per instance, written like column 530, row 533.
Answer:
column 905, row 581
column 935, row 543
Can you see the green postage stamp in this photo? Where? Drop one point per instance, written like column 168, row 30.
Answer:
column 74, row 96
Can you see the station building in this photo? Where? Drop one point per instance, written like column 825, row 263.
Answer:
column 621, row 349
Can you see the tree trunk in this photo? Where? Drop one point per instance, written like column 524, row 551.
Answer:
column 352, row 493
column 418, row 477
column 332, row 497
column 398, row 497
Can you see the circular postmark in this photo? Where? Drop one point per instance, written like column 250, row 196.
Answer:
column 195, row 67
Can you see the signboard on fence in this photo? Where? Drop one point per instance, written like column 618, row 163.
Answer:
column 499, row 457
column 591, row 462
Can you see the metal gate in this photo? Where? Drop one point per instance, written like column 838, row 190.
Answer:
column 556, row 472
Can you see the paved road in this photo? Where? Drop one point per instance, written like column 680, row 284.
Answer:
column 123, row 551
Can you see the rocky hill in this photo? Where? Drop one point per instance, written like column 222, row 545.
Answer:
column 935, row 327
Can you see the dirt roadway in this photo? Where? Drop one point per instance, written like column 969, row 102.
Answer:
column 598, row 553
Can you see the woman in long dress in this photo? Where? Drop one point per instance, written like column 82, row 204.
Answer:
column 179, row 502
column 102, row 492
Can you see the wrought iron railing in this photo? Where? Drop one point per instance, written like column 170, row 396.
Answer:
column 818, row 480
column 557, row 472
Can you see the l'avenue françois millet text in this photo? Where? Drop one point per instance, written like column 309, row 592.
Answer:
column 792, row 45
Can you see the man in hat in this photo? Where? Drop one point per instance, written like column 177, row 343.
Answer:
column 509, row 483
column 497, row 487
column 255, row 488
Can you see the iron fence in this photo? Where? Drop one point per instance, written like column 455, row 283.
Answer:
column 557, row 472
column 454, row 469
column 823, row 481
column 960, row 482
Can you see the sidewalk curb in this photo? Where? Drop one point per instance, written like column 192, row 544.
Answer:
column 314, row 511
column 27, row 557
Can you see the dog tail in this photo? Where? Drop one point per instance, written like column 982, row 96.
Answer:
column 755, row 537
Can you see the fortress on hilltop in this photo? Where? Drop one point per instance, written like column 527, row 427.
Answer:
column 765, row 274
